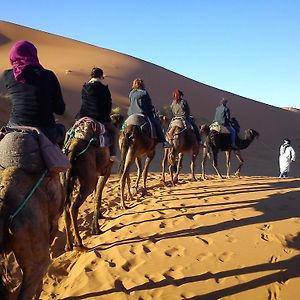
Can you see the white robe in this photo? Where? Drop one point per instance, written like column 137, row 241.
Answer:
column 285, row 158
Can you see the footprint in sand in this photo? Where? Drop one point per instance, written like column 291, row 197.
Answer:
column 111, row 263
column 127, row 266
column 174, row 272
column 267, row 237
column 146, row 249
column 187, row 295
column 274, row 259
column 173, row 251
column 203, row 256
column 231, row 238
column 266, row 227
column 205, row 240
column 225, row 256
column 162, row 225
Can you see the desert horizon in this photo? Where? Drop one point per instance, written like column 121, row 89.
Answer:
column 231, row 238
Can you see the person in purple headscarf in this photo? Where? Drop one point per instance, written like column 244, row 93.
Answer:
column 35, row 92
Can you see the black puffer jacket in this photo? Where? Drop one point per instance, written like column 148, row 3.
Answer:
column 36, row 100
column 96, row 102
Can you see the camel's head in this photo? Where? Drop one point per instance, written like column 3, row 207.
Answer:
column 204, row 129
column 117, row 119
column 252, row 133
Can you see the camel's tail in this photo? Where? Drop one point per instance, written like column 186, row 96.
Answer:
column 124, row 149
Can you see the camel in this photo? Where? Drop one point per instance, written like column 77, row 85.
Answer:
column 216, row 142
column 90, row 169
column 183, row 140
column 29, row 231
column 135, row 142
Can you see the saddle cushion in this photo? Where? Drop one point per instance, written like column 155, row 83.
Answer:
column 143, row 122
column 29, row 149
column 219, row 128
column 180, row 122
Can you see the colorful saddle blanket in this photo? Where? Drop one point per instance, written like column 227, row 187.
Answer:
column 87, row 128
column 219, row 128
column 180, row 122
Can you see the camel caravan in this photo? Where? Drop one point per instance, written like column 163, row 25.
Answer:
column 34, row 195
column 47, row 172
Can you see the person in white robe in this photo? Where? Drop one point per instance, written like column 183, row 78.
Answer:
column 286, row 157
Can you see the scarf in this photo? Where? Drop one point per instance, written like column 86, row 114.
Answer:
column 22, row 55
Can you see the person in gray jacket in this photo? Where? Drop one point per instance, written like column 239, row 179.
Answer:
column 180, row 108
column 222, row 116
column 140, row 103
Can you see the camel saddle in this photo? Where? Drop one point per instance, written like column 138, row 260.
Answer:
column 180, row 122
column 87, row 128
column 218, row 128
column 28, row 148
column 143, row 122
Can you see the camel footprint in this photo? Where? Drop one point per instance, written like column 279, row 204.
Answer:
column 225, row 256
column 173, row 251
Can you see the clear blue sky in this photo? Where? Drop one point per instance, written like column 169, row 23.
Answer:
column 251, row 48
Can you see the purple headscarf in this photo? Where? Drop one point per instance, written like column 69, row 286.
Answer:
column 21, row 55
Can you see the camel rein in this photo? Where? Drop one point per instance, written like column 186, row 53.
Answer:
column 27, row 198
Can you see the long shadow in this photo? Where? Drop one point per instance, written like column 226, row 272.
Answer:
column 274, row 186
column 287, row 269
column 273, row 208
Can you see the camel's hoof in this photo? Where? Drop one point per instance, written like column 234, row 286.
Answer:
column 68, row 248
column 96, row 231
column 134, row 191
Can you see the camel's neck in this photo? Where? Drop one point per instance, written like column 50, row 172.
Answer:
column 244, row 143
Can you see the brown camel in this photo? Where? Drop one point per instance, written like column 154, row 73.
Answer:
column 28, row 233
column 216, row 142
column 90, row 170
column 183, row 140
column 135, row 142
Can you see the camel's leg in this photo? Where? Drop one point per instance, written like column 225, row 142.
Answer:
column 125, row 176
column 194, row 156
column 129, row 189
column 32, row 280
column 86, row 188
column 204, row 157
column 179, row 165
column 241, row 162
column 164, row 161
column 30, row 244
column 228, row 156
column 68, row 185
column 67, row 219
column 97, row 200
column 138, row 163
column 148, row 160
column 215, row 163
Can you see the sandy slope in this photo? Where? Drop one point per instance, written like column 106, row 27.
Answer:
column 214, row 239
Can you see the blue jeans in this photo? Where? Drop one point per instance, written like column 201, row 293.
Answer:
column 232, row 134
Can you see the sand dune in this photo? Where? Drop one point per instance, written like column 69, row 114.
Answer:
column 72, row 61
column 214, row 239
column 218, row 239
